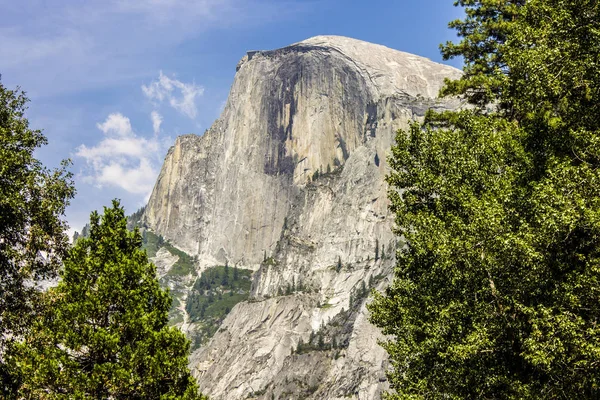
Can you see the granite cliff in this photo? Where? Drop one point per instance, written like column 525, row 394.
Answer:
column 289, row 183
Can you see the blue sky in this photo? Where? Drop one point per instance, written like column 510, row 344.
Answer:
column 113, row 82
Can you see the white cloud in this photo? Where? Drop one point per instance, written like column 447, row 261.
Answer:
column 156, row 121
column 164, row 88
column 132, row 147
column 116, row 123
column 138, row 179
column 122, row 159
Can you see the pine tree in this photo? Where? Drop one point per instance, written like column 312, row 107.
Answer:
column 320, row 341
column 338, row 267
column 485, row 30
column 104, row 333
column 300, row 346
column 225, row 278
column 496, row 294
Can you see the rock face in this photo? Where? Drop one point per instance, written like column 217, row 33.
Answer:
column 289, row 182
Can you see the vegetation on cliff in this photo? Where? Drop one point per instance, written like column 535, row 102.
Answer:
column 213, row 296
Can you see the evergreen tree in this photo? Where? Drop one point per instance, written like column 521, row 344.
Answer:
column 299, row 346
column 32, row 233
column 236, row 273
column 225, row 278
column 338, row 266
column 496, row 294
column 104, row 333
column 376, row 249
column 485, row 30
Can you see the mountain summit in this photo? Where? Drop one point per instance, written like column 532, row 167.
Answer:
column 288, row 184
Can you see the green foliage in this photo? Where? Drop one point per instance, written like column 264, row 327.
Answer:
column 359, row 293
column 486, row 28
column 135, row 219
column 213, row 295
column 328, row 173
column 336, row 333
column 269, row 261
column 184, row 265
column 150, row 243
column 316, row 342
column 316, row 175
column 32, row 201
column 104, row 333
column 496, row 294
column 295, row 287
